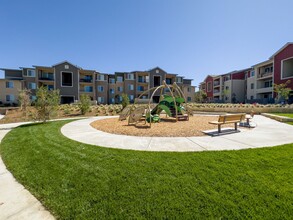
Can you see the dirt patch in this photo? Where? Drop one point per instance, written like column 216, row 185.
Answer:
column 166, row 128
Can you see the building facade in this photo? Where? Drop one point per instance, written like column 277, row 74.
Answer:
column 72, row 81
column 254, row 84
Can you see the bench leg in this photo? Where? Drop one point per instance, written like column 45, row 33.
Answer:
column 235, row 125
column 219, row 128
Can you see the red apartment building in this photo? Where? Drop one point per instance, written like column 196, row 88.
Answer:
column 253, row 84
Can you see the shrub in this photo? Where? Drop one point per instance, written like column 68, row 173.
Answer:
column 84, row 104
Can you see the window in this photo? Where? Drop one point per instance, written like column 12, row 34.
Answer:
column 120, row 89
column 209, row 86
column 168, row 81
column 252, row 73
column 287, row 68
column 112, row 100
column 188, row 89
column 9, row 85
column 101, row 77
column 112, row 91
column 100, row 88
column 9, row 98
column 141, row 79
column 157, row 71
column 140, row 88
column 131, row 97
column 100, row 99
column 120, row 98
column 252, row 86
column 32, row 85
column 50, row 87
column 112, row 81
column 189, row 99
column 268, row 84
column 227, row 88
column 119, row 79
column 251, row 97
column 179, row 80
column 130, row 87
column 33, row 98
column 88, row 88
column 130, row 76
column 66, row 67
column 66, row 79
column 31, row 73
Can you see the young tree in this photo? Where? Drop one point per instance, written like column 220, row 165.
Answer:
column 282, row 90
column 46, row 103
column 200, row 96
column 125, row 100
column 84, row 103
column 24, row 100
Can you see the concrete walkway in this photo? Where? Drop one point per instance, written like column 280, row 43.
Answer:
column 267, row 133
column 15, row 201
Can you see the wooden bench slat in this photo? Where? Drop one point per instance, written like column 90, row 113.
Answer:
column 227, row 119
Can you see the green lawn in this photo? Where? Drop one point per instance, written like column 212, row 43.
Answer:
column 78, row 181
column 289, row 115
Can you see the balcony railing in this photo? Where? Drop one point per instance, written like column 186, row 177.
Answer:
column 216, row 83
column 263, row 75
column 86, row 80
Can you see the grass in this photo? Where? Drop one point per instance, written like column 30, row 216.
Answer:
column 78, row 181
column 289, row 115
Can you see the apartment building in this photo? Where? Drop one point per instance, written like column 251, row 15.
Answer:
column 254, row 84
column 228, row 87
column 72, row 81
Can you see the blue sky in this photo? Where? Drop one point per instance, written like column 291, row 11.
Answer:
column 193, row 38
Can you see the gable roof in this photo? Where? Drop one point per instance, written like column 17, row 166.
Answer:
column 65, row 61
column 282, row 48
column 156, row 68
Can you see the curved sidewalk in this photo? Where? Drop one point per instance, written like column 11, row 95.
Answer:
column 267, row 133
column 16, row 202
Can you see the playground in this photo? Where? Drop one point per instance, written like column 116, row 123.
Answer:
column 167, row 127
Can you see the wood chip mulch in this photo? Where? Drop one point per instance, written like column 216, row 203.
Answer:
column 168, row 127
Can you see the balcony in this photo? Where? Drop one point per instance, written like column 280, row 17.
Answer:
column 86, row 80
column 216, row 91
column 88, row 89
column 216, row 83
column 46, row 77
column 264, row 90
column 265, row 75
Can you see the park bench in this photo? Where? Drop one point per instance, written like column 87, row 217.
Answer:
column 228, row 119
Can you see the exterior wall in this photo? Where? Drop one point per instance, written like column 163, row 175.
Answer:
column 228, row 87
column 286, row 53
column 127, row 83
column 28, row 80
column 251, row 93
column 13, row 74
column 67, row 91
column 238, row 89
column 105, row 85
column 210, row 94
column 17, row 86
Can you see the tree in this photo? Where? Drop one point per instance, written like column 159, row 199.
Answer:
column 46, row 103
column 282, row 90
column 200, row 96
column 24, row 100
column 125, row 100
column 84, row 103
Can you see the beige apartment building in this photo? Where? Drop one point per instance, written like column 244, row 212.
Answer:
column 72, row 81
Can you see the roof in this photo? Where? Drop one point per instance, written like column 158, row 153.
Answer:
column 267, row 61
column 47, row 67
column 65, row 61
column 10, row 69
column 155, row 68
column 282, row 48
